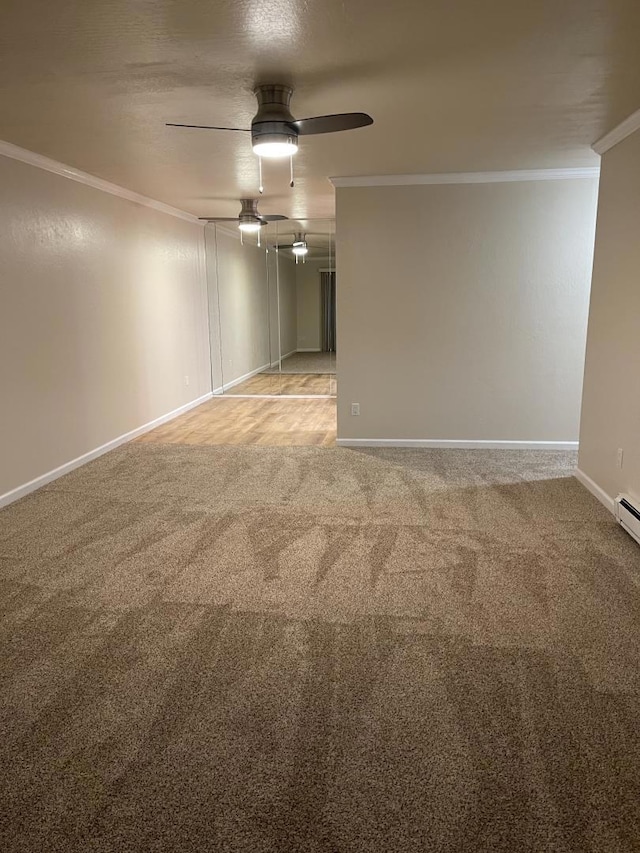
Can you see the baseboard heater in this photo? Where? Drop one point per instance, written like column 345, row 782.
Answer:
column 628, row 515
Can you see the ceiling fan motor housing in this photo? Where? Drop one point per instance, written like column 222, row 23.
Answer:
column 249, row 211
column 273, row 122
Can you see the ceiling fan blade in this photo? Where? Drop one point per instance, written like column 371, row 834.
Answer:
column 331, row 124
column 272, row 218
column 219, row 218
column 207, row 127
column 309, row 246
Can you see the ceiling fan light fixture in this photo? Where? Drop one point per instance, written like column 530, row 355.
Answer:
column 250, row 227
column 300, row 248
column 275, row 131
column 275, row 149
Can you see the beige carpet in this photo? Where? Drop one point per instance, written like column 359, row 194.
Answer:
column 321, row 650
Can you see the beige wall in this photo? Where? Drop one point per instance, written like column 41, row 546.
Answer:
column 308, row 283
column 288, row 305
column 282, row 295
column 239, row 298
column 611, row 401
column 272, row 273
column 462, row 309
column 103, row 313
column 213, row 308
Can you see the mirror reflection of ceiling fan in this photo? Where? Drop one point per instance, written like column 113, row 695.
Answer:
column 249, row 220
column 300, row 246
column 274, row 131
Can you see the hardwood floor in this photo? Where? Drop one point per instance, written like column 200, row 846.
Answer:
column 286, row 383
column 225, row 420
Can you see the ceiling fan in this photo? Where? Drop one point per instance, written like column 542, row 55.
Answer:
column 248, row 219
column 274, row 131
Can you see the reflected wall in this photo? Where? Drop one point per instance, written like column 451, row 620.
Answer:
column 269, row 312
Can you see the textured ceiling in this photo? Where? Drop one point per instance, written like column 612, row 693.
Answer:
column 452, row 86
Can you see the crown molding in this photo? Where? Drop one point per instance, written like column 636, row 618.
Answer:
column 467, row 177
column 14, row 152
column 620, row 132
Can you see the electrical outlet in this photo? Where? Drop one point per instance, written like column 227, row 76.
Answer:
column 620, row 457
column 355, row 408
column 186, row 380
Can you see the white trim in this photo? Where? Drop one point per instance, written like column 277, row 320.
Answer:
column 14, row 152
column 467, row 177
column 240, row 379
column 595, row 490
column 279, row 397
column 620, row 132
column 32, row 485
column 456, row 444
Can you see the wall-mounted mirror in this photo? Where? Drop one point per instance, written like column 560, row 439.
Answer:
column 272, row 309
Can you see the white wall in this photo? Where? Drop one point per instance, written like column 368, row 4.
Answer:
column 103, row 312
column 611, row 401
column 462, row 309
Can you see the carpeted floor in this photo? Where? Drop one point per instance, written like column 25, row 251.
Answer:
column 307, row 362
column 262, row 650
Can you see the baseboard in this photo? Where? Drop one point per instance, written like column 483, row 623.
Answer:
column 595, row 490
column 27, row 488
column 308, row 349
column 281, row 397
column 240, row 379
column 455, row 444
